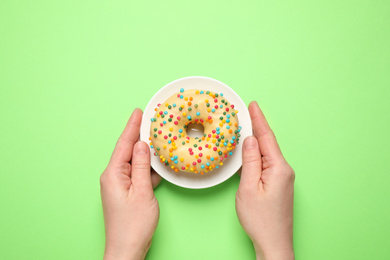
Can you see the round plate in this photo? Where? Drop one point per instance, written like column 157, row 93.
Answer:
column 231, row 165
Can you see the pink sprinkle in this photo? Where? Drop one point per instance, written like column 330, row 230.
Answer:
column 176, row 122
column 232, row 106
column 187, row 137
column 207, row 145
column 217, row 136
column 215, row 100
column 158, row 104
column 190, row 149
column 216, row 106
column 165, row 137
column 227, row 109
column 161, row 124
column 199, row 160
column 161, row 112
column 183, row 168
column 225, row 155
column 191, row 153
column 200, row 147
column 178, row 95
column 178, row 118
column 200, row 154
column 221, row 158
column 175, row 137
column 209, row 135
column 194, row 163
column 201, row 120
column 215, row 148
column 196, row 120
column 170, row 115
column 214, row 131
column 159, row 132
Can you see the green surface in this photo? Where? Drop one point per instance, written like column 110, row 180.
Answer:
column 71, row 72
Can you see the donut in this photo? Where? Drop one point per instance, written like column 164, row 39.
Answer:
column 182, row 153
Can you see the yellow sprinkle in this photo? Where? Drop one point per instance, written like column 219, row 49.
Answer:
column 164, row 146
column 171, row 129
column 181, row 159
column 197, row 92
column 182, row 106
column 158, row 115
column 184, row 113
column 196, row 156
column 170, row 154
column 207, row 139
column 207, row 101
column 220, row 124
column 221, row 163
column 173, row 167
column 236, row 111
column 208, row 109
column 214, row 140
column 223, row 121
column 230, row 123
column 186, row 98
column 166, row 104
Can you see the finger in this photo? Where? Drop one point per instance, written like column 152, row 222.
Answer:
column 140, row 164
column 156, row 179
column 124, row 147
column 267, row 141
column 251, row 162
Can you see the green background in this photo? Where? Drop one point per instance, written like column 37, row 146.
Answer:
column 71, row 73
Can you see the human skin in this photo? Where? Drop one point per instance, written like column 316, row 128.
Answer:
column 264, row 199
column 130, row 209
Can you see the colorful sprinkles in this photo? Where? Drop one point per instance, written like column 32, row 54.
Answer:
column 169, row 139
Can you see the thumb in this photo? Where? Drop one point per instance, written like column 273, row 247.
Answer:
column 251, row 162
column 140, row 163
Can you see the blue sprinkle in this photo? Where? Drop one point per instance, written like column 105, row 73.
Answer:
column 174, row 105
column 233, row 137
column 221, row 94
column 217, row 132
column 218, row 128
column 208, row 164
column 201, row 92
column 217, row 166
column 228, row 116
column 221, row 106
column 232, row 141
column 213, row 110
column 227, row 127
column 180, row 130
column 230, row 153
column 152, row 119
column 202, row 166
column 227, row 120
column 171, row 158
column 176, row 161
column 182, row 90
column 165, row 112
column 240, row 127
column 164, row 122
column 189, row 117
column 198, row 113
column 169, row 141
column 175, row 157
column 212, row 158
column 225, row 143
column 181, row 96
column 151, row 146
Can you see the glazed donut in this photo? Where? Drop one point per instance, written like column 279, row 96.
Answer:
column 181, row 152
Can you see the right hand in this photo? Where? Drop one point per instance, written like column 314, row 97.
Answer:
column 264, row 200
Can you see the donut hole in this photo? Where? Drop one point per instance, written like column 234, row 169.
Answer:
column 195, row 130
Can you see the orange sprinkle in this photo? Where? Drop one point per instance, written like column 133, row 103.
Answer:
column 189, row 103
column 208, row 156
column 191, row 98
column 230, row 131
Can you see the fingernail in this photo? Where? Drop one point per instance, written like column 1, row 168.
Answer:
column 141, row 148
column 250, row 142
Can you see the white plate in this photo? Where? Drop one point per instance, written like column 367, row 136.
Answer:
column 231, row 165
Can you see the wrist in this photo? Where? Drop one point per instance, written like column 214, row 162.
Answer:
column 130, row 252
column 283, row 253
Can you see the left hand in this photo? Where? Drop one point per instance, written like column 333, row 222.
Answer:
column 131, row 210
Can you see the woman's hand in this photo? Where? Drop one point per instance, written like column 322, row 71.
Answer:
column 130, row 208
column 264, row 200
